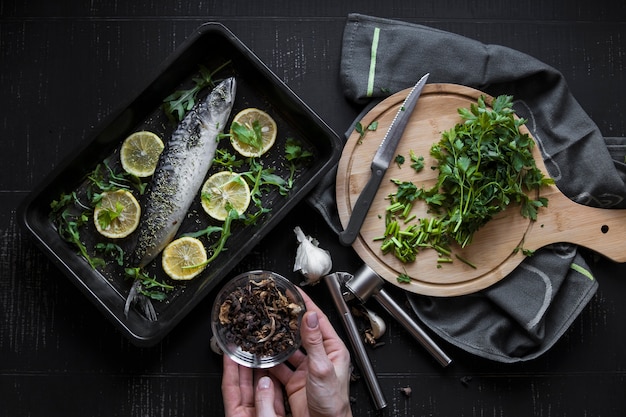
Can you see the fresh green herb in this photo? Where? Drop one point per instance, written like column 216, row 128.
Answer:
column 417, row 162
column 112, row 250
column 361, row 131
column 407, row 192
column 404, row 278
column 205, row 232
column 70, row 215
column 106, row 216
column 399, row 160
column 225, row 232
column 180, row 102
column 150, row 287
column 226, row 159
column 104, row 178
column 465, row 261
column 296, row 156
column 484, row 163
column 250, row 135
column 526, row 252
column 261, row 180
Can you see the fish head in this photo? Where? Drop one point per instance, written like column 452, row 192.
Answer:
column 223, row 96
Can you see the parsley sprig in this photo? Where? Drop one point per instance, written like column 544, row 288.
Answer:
column 363, row 130
column 108, row 215
column 485, row 164
column 297, row 157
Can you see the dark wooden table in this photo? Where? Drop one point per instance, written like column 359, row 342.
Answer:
column 64, row 68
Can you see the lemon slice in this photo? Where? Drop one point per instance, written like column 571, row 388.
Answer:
column 223, row 191
column 184, row 258
column 117, row 214
column 246, row 128
column 140, row 153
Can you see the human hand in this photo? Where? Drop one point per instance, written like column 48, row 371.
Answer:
column 319, row 385
column 242, row 399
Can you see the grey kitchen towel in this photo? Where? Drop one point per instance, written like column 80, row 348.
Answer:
column 525, row 314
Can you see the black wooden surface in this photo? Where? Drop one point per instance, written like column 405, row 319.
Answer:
column 64, row 68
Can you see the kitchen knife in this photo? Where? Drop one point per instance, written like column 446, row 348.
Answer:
column 382, row 159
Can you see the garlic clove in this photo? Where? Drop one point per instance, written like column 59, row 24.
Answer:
column 377, row 323
column 377, row 326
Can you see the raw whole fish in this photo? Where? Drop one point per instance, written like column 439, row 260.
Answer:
column 181, row 169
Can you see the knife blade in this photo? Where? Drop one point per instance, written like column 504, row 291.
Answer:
column 381, row 162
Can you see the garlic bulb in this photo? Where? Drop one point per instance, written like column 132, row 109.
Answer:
column 312, row 261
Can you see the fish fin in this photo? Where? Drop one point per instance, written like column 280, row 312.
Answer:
column 130, row 298
column 143, row 303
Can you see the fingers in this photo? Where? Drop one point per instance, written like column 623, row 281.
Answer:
column 264, row 397
column 245, row 391
column 237, row 388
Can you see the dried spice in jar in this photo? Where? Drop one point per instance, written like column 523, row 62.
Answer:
column 259, row 318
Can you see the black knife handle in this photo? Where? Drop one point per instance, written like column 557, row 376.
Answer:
column 362, row 206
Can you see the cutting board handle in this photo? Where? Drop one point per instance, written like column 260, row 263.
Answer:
column 601, row 230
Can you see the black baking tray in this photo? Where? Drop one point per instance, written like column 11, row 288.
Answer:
column 211, row 45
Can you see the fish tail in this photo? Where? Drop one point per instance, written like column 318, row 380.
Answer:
column 135, row 297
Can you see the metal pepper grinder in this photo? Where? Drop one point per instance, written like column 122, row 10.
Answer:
column 367, row 283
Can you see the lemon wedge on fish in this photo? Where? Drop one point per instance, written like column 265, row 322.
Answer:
column 117, row 214
column 223, row 191
column 252, row 132
column 184, row 258
column 140, row 152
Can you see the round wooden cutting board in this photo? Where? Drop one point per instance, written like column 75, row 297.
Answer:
column 493, row 249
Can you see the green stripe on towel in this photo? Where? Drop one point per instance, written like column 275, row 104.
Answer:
column 372, row 73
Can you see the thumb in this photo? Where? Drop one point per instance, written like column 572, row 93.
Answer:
column 312, row 339
column 320, row 366
column 264, row 398
column 321, row 380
